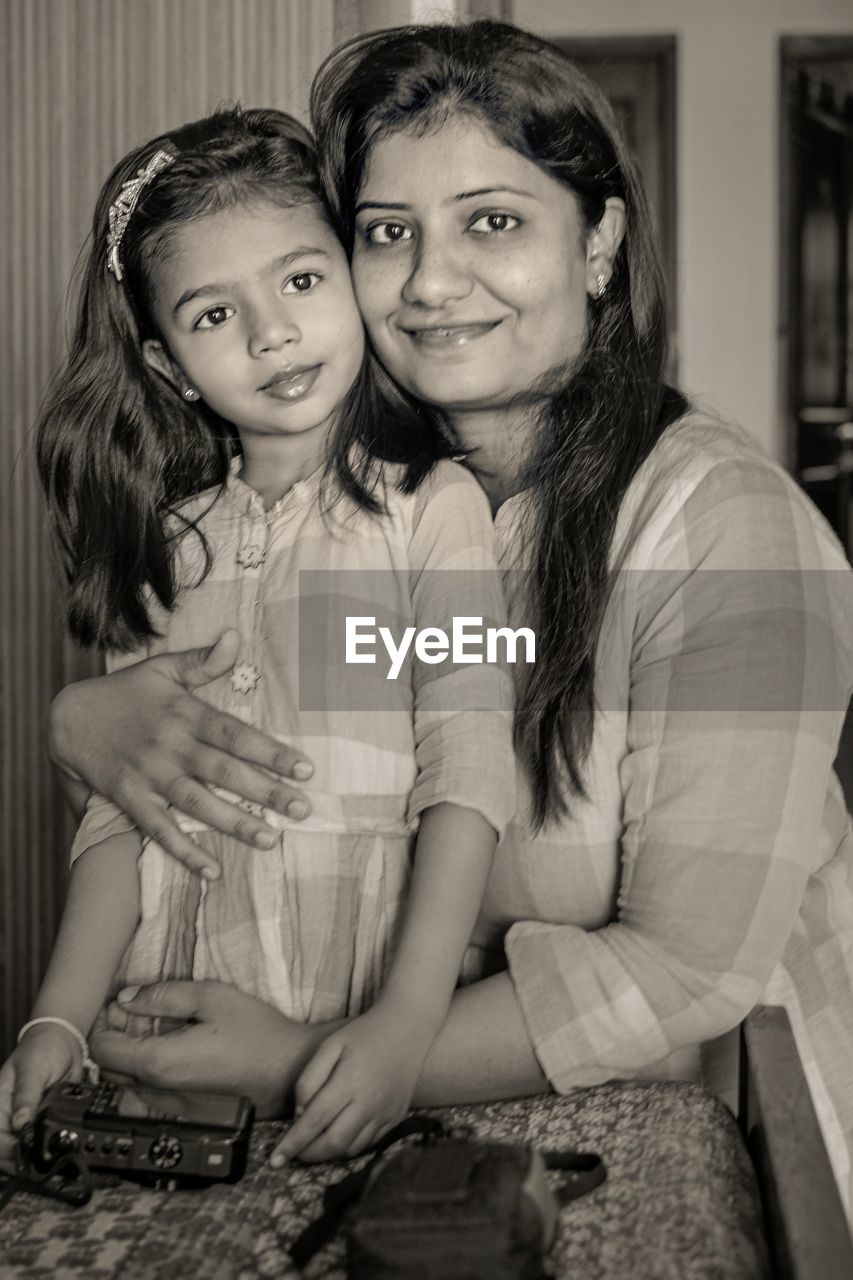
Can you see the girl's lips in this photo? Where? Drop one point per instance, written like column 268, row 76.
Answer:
column 452, row 335
column 292, row 385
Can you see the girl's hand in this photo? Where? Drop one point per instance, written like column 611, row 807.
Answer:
column 141, row 739
column 358, row 1084
column 45, row 1056
column 228, row 1042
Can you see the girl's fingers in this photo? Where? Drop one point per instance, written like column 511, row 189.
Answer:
column 317, row 1072
column 321, row 1113
column 336, row 1139
column 32, row 1077
column 366, row 1137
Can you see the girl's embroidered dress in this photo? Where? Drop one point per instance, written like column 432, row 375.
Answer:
column 310, row 925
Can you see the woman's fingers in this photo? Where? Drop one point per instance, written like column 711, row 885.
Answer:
column 185, row 1001
column 122, row 1055
column 195, row 667
column 246, row 743
column 150, row 814
column 216, row 767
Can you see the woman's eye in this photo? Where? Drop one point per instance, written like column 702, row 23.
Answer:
column 215, row 317
column 489, row 223
column 301, row 283
column 388, row 233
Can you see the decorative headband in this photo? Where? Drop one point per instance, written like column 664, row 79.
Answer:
column 121, row 210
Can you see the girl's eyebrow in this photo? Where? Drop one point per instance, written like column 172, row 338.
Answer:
column 278, row 264
column 461, row 195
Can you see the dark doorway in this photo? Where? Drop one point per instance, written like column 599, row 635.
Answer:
column 638, row 76
column 816, row 296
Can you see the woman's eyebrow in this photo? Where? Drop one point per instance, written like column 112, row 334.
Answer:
column 495, row 191
column 461, row 195
column 280, row 263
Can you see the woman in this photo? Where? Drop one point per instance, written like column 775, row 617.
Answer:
column 684, row 850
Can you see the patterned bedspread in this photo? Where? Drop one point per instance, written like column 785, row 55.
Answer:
column 680, row 1202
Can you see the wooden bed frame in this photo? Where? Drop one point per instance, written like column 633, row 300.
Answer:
column 807, row 1232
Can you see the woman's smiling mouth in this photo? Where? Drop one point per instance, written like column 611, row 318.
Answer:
column 440, row 337
column 291, row 384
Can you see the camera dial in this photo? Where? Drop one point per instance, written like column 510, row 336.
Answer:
column 165, row 1152
column 64, row 1143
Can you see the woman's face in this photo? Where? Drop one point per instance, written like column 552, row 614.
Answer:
column 469, row 266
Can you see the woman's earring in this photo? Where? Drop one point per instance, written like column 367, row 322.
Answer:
column 600, row 287
column 190, row 393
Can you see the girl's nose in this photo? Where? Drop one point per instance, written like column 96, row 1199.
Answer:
column 438, row 276
column 272, row 328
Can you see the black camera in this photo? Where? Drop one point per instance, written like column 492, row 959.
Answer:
column 151, row 1135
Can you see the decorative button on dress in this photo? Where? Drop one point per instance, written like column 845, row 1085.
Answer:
column 310, row 925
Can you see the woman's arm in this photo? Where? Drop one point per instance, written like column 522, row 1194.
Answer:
column 101, row 913
column 740, row 670
column 140, row 738
column 234, row 1042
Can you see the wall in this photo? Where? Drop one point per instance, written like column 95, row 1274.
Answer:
column 82, row 81
column 728, row 177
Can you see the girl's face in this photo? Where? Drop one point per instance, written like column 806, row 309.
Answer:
column 469, row 266
column 256, row 308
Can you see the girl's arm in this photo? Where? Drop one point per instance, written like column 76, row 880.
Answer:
column 100, row 916
column 464, row 795
column 453, row 857
column 366, row 1071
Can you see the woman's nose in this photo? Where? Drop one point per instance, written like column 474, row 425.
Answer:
column 271, row 328
column 438, row 276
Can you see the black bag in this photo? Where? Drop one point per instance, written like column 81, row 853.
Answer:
column 451, row 1207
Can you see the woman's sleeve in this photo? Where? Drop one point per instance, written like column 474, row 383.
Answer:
column 102, row 818
column 740, row 676
column 462, row 710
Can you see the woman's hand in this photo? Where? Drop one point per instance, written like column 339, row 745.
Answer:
column 45, row 1056
column 359, row 1083
column 229, row 1043
column 140, row 738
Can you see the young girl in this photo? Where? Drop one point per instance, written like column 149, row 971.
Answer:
column 222, row 450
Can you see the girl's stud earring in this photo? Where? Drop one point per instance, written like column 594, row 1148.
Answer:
column 600, row 287
column 190, row 393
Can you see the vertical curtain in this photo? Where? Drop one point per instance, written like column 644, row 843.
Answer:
column 82, row 81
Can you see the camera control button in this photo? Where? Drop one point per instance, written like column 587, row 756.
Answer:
column 165, row 1152
column 124, row 1146
column 64, row 1142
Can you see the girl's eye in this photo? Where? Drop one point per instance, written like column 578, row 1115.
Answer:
column 489, row 223
column 388, row 233
column 214, row 318
column 302, row 282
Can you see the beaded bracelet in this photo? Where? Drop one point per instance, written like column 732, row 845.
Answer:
column 90, row 1068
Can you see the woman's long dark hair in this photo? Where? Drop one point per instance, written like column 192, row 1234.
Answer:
column 118, row 448
column 596, row 429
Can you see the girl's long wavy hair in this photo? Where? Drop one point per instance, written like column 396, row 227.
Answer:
column 118, row 448
column 595, row 430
